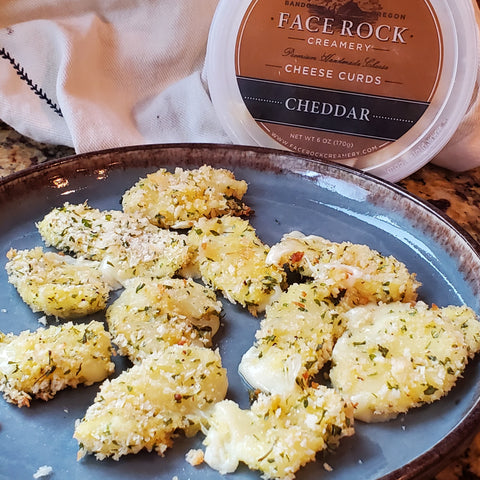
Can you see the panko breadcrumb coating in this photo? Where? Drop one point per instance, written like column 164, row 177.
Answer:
column 295, row 339
column 144, row 406
column 177, row 200
column 279, row 434
column 398, row 356
column 194, row 457
column 151, row 314
column 389, row 356
column 127, row 245
column 57, row 284
column 364, row 274
column 232, row 259
column 39, row 364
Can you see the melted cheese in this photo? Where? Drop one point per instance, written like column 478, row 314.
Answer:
column 278, row 434
column 395, row 357
column 179, row 199
column 365, row 274
column 144, row 406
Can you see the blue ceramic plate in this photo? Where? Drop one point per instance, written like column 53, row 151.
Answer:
column 287, row 193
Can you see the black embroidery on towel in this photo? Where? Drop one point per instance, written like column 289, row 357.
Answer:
column 33, row 86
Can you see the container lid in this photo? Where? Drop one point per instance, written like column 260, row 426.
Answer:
column 380, row 85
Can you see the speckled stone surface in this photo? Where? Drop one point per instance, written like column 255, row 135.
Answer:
column 18, row 152
column 456, row 194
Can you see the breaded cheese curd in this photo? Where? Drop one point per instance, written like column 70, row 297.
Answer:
column 364, row 274
column 39, row 364
column 177, row 200
column 294, row 341
column 144, row 406
column 395, row 357
column 55, row 284
column 127, row 245
column 279, row 434
column 231, row 258
column 151, row 314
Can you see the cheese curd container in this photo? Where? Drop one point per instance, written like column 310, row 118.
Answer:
column 379, row 85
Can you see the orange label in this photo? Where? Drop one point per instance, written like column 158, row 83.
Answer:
column 338, row 79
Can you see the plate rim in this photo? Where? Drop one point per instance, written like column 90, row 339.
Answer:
column 52, row 164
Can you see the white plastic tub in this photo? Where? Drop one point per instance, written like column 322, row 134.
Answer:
column 380, row 85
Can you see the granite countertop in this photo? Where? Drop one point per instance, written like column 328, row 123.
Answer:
column 456, row 194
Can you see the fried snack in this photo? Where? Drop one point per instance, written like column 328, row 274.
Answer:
column 177, row 200
column 395, row 357
column 144, row 406
column 278, row 435
column 57, row 284
column 127, row 245
column 294, row 341
column 39, row 364
column 362, row 273
column 232, row 259
column 152, row 314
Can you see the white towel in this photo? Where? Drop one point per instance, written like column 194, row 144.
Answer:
column 94, row 74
